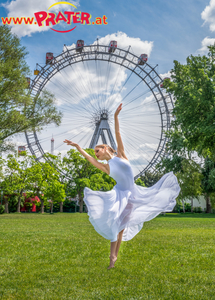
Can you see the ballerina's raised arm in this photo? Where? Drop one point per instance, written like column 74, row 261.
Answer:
column 120, row 147
column 103, row 152
column 92, row 160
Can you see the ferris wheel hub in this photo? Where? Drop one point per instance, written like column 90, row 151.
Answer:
column 100, row 115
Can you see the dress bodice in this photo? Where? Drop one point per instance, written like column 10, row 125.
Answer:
column 121, row 171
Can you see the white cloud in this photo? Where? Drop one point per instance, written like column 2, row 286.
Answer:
column 27, row 8
column 168, row 74
column 208, row 15
column 205, row 43
column 123, row 41
column 93, row 81
column 83, row 88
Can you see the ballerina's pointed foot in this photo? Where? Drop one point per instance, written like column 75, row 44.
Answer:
column 112, row 262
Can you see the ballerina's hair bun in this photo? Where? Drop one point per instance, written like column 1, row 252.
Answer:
column 104, row 145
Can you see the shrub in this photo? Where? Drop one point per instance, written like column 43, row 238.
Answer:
column 68, row 206
column 2, row 209
column 197, row 209
column 187, row 207
column 13, row 201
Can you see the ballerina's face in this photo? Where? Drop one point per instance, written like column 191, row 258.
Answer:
column 100, row 153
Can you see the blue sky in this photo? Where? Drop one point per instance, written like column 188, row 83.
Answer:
column 175, row 27
column 165, row 30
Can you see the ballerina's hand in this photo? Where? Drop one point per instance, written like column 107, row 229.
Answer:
column 118, row 109
column 70, row 143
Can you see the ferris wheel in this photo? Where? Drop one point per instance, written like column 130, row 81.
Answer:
column 89, row 82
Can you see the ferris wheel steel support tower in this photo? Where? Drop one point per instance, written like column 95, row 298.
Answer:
column 128, row 60
column 102, row 126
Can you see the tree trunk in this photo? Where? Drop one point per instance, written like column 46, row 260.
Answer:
column 52, row 207
column 18, row 205
column 19, row 202
column 6, row 209
column 42, row 206
column 80, row 203
column 191, row 205
column 208, row 204
column 183, row 206
column 61, row 206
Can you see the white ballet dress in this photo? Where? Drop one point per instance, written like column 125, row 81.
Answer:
column 127, row 206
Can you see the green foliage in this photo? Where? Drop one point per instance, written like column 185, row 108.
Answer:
column 18, row 111
column 13, row 201
column 68, row 206
column 16, row 179
column 84, row 174
column 101, row 182
column 193, row 86
column 189, row 180
column 55, row 191
column 208, row 172
column 44, row 182
column 140, row 182
column 197, row 209
column 2, row 208
column 150, row 178
column 179, row 207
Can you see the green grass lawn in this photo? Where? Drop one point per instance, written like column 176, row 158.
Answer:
column 61, row 256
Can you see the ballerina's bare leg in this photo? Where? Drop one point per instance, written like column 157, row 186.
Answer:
column 119, row 241
column 114, row 249
column 112, row 256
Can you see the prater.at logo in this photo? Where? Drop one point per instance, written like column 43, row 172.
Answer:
column 43, row 18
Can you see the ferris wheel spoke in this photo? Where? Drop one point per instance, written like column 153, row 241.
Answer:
column 141, row 155
column 64, row 89
column 136, row 98
column 113, row 88
column 138, row 139
column 81, row 83
column 88, row 86
column 94, row 98
column 134, row 128
column 98, row 81
column 135, row 149
column 67, row 131
column 107, row 80
column 84, row 137
column 70, row 138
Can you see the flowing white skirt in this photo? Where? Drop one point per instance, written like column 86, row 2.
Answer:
column 115, row 210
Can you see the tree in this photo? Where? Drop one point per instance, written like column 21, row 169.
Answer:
column 41, row 176
column 84, row 174
column 19, row 168
column 57, row 163
column 193, row 87
column 19, row 111
column 208, row 182
column 140, row 182
column 55, row 192
column 150, row 178
column 190, row 181
column 8, row 185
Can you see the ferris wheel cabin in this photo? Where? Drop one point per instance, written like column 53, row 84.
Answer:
column 142, row 59
column 161, row 85
column 79, row 46
column 21, row 149
column 112, row 46
column 49, row 57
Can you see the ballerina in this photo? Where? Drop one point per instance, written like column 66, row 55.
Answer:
column 118, row 215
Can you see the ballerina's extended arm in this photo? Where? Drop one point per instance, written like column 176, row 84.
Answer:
column 120, row 147
column 91, row 159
